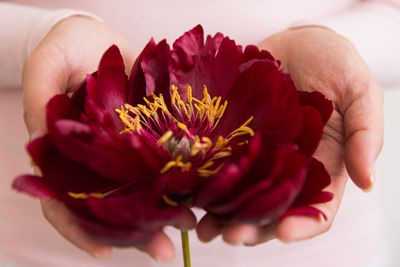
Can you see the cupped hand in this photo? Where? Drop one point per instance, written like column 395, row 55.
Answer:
column 318, row 59
column 70, row 51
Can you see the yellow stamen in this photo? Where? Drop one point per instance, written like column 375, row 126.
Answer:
column 174, row 94
column 207, row 140
column 189, row 94
column 217, row 105
column 181, row 126
column 243, row 130
column 168, row 166
column 85, row 196
column 206, row 165
column 205, row 93
column 222, row 154
column 145, row 110
column 222, row 109
column 147, row 101
column 176, row 163
column 248, row 121
column 205, row 172
column 243, row 143
column 221, row 142
column 169, row 201
column 203, row 114
column 164, row 138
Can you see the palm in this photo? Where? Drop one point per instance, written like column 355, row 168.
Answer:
column 318, row 59
column 322, row 61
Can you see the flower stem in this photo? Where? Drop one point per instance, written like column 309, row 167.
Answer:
column 185, row 248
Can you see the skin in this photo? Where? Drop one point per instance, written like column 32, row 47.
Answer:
column 352, row 139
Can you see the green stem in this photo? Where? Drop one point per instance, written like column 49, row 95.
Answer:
column 185, row 248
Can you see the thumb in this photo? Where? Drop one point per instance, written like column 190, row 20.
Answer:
column 44, row 75
column 363, row 122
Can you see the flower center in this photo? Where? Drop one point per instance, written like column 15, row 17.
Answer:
column 184, row 131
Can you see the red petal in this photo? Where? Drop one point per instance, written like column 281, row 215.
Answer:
column 318, row 101
column 214, row 64
column 105, row 234
column 112, row 58
column 303, row 211
column 264, row 199
column 267, row 94
column 109, row 92
column 317, row 179
column 34, row 186
column 322, row 197
column 265, row 206
column 220, row 187
column 137, row 84
column 143, row 209
column 62, row 174
column 311, row 131
column 252, row 52
column 117, row 157
column 154, row 63
column 182, row 183
column 60, row 107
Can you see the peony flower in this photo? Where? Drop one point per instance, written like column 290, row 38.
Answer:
column 206, row 124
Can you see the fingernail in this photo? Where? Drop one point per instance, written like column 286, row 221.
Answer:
column 372, row 182
column 161, row 260
column 35, row 135
column 238, row 243
column 103, row 254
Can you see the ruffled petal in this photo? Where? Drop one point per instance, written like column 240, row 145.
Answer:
column 214, row 64
column 61, row 174
column 266, row 198
column 118, row 157
column 225, row 183
column 252, row 52
column 154, row 63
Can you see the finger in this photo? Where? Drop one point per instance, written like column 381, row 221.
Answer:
column 160, row 248
column 208, row 228
column 296, row 228
column 45, row 74
column 246, row 234
column 187, row 221
column 65, row 223
column 363, row 121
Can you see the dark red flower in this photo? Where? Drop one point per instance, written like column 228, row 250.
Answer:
column 207, row 124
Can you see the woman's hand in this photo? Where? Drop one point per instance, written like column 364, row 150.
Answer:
column 318, row 59
column 58, row 65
